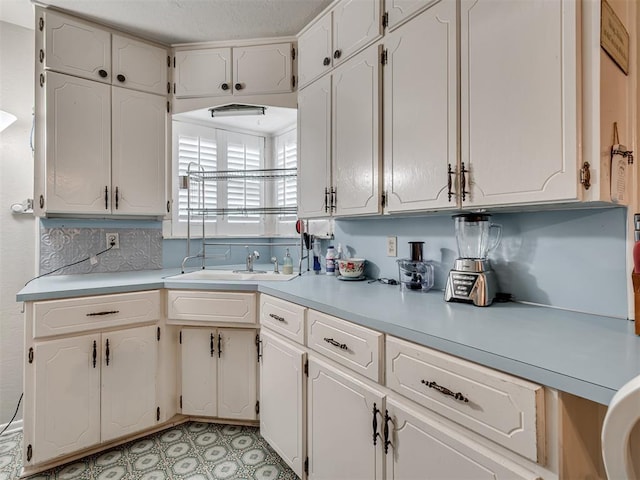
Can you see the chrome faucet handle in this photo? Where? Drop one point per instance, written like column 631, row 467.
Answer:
column 256, row 254
column 275, row 264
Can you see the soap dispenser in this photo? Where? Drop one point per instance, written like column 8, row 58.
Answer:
column 287, row 264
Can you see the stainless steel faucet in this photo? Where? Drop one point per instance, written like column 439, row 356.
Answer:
column 251, row 257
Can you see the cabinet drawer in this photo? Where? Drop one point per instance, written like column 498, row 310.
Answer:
column 505, row 409
column 350, row 345
column 283, row 317
column 192, row 307
column 59, row 317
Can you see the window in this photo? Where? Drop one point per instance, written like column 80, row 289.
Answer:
column 235, row 199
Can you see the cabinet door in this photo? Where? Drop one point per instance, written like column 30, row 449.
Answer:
column 314, row 138
column 420, row 111
column 356, row 134
column 340, row 417
column 139, row 65
column 400, row 10
column 518, row 117
column 262, row 69
column 200, row 73
column 67, row 396
column 282, row 408
column 314, row 49
column 77, row 48
column 129, row 370
column 356, row 23
column 199, row 366
column 78, row 145
column 425, row 449
column 237, row 374
column 139, row 147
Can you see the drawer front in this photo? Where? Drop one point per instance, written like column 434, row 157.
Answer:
column 355, row 347
column 195, row 307
column 283, row 317
column 505, row 409
column 60, row 317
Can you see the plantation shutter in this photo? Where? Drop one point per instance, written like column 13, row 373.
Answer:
column 199, row 150
column 244, row 152
column 287, row 157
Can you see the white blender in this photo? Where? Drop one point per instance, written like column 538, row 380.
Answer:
column 472, row 279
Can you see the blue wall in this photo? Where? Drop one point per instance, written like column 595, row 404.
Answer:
column 568, row 259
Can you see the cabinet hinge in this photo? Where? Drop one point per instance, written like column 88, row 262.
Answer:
column 293, row 81
column 385, row 19
column 383, row 57
column 158, row 414
column 158, row 336
column 168, row 107
column 293, row 53
column 585, row 175
column 174, row 88
column 169, row 61
column 257, row 407
column 29, row 452
column 30, row 354
column 168, row 87
column 306, row 465
column 168, row 206
column 180, row 401
column 180, row 337
column 174, row 62
column 258, row 342
column 383, row 199
column 306, row 367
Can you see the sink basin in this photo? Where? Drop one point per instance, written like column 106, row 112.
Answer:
column 233, row 275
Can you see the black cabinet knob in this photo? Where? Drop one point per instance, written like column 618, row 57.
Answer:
column 326, row 61
column 121, row 78
column 224, row 86
column 102, row 73
column 337, row 54
column 238, row 86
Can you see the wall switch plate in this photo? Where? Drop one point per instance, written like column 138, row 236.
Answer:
column 113, row 239
column 392, row 246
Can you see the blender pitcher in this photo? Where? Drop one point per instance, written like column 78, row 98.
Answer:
column 474, row 235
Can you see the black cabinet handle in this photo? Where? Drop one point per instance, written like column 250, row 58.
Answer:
column 376, row 435
column 41, row 55
column 117, row 196
column 121, row 78
column 326, row 200
column 326, row 61
column 41, row 201
column 219, row 345
column 445, row 391
column 387, row 442
column 238, row 86
column 106, row 198
column 277, row 317
column 463, row 181
column 211, row 344
column 341, row 346
column 95, row 353
column 224, row 86
column 337, row 54
column 100, row 314
column 103, row 73
column 107, row 352
column 449, row 182
column 334, row 199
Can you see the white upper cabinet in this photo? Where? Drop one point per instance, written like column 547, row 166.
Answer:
column 201, row 73
column 78, row 145
column 349, row 27
column 139, row 66
column 138, row 152
column 519, row 97
column 420, row 111
column 398, row 11
column 85, row 50
column 257, row 69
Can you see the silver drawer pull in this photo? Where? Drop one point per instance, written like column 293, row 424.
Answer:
column 98, row 314
column 341, row 346
column 445, row 391
column 277, row 317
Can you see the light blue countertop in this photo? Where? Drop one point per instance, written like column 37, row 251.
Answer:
column 586, row 355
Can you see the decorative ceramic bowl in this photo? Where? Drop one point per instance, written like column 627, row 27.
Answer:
column 351, row 267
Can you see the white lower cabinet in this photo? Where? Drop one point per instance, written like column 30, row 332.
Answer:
column 341, row 414
column 219, row 373
column 282, row 399
column 91, row 389
column 421, row 448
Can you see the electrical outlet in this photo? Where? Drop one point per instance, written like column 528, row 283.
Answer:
column 392, row 246
column 113, row 239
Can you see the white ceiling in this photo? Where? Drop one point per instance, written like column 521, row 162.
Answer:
column 183, row 21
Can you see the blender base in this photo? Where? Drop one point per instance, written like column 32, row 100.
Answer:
column 479, row 288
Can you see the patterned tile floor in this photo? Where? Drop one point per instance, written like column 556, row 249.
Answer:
column 193, row 451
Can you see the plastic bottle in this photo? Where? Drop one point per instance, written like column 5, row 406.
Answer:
column 316, row 256
column 330, row 261
column 287, row 264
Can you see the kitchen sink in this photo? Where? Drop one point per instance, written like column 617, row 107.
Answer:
column 233, row 275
